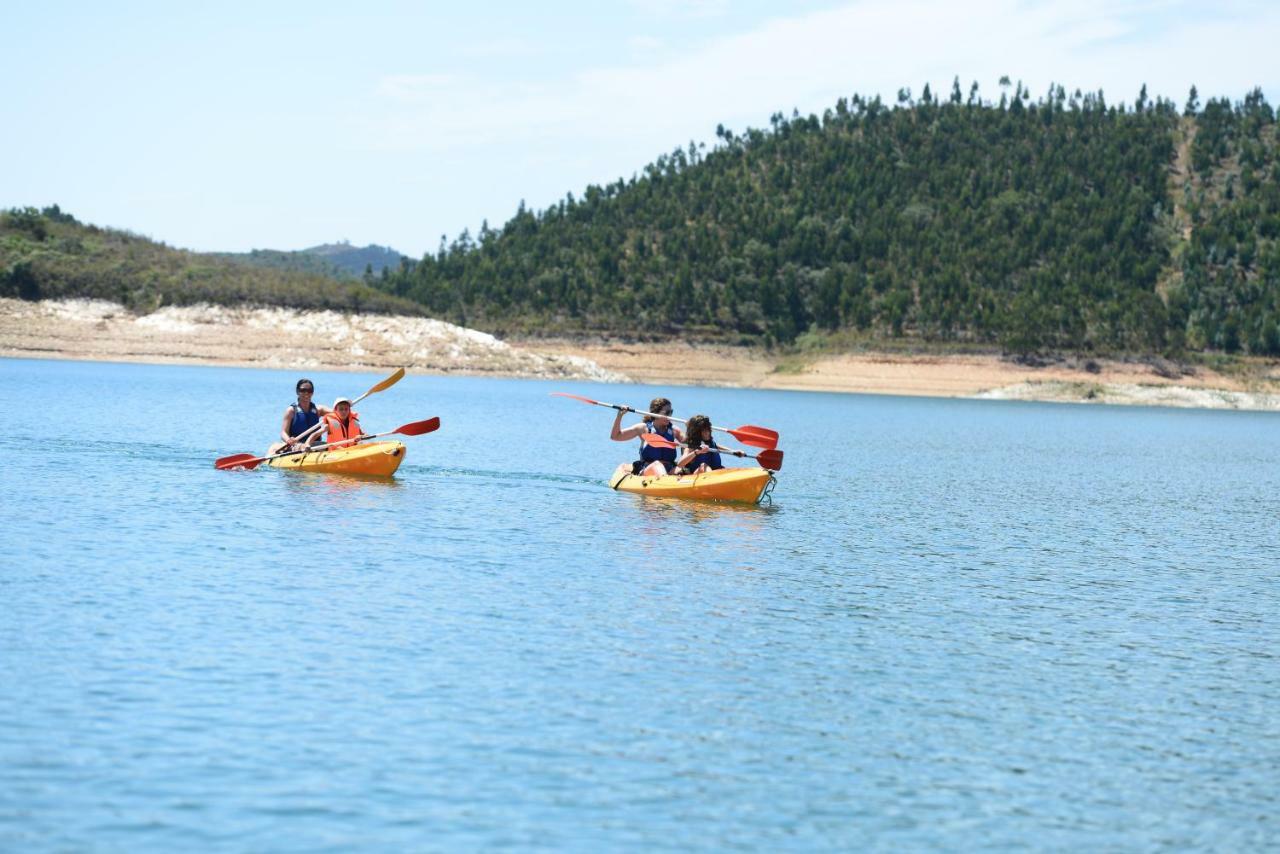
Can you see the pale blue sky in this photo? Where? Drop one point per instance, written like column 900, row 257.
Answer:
column 283, row 125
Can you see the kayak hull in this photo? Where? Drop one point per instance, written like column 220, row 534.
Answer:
column 732, row 484
column 375, row 458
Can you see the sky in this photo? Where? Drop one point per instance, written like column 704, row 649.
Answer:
column 232, row 126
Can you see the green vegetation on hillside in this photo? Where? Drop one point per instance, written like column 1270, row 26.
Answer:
column 48, row 254
column 1228, row 283
column 1062, row 223
column 336, row 260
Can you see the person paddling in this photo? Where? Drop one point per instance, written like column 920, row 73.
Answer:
column 700, row 452
column 653, row 461
column 342, row 425
column 299, row 417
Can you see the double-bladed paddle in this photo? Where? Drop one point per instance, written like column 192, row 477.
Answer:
column 748, row 434
column 249, row 461
column 770, row 459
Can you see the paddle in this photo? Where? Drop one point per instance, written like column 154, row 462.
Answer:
column 249, row 461
column 748, row 434
column 770, row 459
column 239, row 459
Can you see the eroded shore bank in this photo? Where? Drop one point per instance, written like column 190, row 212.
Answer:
column 326, row 340
column 1155, row 383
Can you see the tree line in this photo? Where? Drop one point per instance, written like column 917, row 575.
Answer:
column 1062, row 222
column 48, row 254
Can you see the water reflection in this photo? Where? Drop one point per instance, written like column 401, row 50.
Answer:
column 336, row 489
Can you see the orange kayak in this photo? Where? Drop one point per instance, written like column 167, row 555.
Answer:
column 735, row 484
column 377, row 458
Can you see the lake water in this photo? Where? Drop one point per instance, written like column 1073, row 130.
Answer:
column 961, row 625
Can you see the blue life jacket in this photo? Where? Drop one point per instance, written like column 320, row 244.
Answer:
column 711, row 458
column 303, row 420
column 650, row 454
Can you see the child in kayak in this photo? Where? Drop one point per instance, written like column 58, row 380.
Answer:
column 653, row 461
column 342, row 425
column 699, row 454
column 299, row 417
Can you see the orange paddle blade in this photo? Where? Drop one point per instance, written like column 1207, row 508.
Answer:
column 771, row 460
column 237, row 461
column 757, row 437
column 417, row 428
column 577, row 397
column 657, row 441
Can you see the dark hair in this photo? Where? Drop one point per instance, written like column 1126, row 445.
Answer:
column 693, row 430
column 656, row 405
column 297, row 387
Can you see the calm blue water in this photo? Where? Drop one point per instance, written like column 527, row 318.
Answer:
column 962, row 625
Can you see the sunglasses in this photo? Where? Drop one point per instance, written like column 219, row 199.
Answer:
column 667, row 412
column 306, row 391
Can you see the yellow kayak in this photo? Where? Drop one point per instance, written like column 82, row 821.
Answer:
column 736, row 484
column 378, row 458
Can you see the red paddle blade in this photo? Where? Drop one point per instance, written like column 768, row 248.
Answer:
column 757, row 437
column 577, row 397
column 417, row 428
column 657, row 441
column 237, row 461
column 771, row 460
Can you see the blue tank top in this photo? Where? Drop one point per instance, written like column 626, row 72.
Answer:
column 650, row 454
column 303, row 420
column 711, row 458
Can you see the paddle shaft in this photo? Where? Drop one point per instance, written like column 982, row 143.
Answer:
column 735, row 433
column 760, row 437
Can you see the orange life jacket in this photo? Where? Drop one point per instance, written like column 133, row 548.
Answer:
column 335, row 432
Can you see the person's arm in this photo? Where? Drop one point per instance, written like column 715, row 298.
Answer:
column 618, row 433
column 285, row 425
column 687, row 457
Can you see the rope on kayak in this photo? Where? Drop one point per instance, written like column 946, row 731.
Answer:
column 766, row 497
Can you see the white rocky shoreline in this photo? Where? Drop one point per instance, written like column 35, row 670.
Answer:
column 272, row 337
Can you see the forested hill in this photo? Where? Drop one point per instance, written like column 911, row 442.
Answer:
column 1063, row 223
column 48, row 254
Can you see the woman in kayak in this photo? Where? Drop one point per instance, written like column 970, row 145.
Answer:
column 700, row 450
column 342, row 425
column 653, row 461
column 299, row 417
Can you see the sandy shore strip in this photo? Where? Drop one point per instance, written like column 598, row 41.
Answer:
column 327, row 340
column 272, row 338
column 975, row 376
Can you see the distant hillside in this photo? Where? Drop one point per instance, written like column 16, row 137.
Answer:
column 355, row 260
column 336, row 260
column 1064, row 223
column 48, row 254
